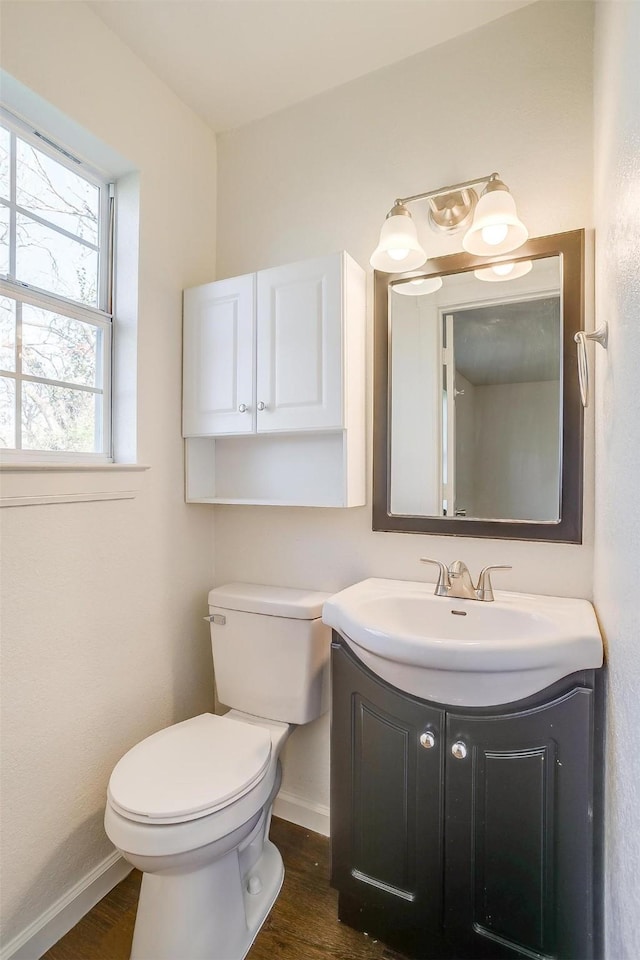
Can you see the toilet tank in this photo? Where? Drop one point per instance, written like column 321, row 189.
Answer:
column 270, row 650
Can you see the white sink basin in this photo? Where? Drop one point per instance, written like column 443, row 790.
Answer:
column 465, row 651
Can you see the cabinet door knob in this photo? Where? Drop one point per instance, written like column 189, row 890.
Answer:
column 242, row 408
column 427, row 740
column 459, row 750
column 262, row 405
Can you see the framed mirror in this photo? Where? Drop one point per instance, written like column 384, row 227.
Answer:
column 478, row 423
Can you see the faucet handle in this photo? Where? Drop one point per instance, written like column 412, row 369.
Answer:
column 484, row 590
column 444, row 583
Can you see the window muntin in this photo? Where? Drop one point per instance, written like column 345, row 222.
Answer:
column 55, row 324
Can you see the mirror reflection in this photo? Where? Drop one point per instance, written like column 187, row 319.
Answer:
column 475, row 398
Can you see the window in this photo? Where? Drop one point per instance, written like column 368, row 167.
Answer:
column 56, row 227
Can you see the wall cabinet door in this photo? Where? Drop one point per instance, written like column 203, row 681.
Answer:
column 300, row 346
column 219, row 351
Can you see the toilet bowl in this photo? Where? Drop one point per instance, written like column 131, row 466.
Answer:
column 190, row 806
column 199, row 834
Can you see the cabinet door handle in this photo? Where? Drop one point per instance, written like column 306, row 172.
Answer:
column 243, row 408
column 459, row 750
column 262, row 405
column 427, row 740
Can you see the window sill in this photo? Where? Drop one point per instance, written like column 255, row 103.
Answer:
column 31, row 484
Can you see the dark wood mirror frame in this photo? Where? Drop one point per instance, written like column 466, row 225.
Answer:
column 570, row 247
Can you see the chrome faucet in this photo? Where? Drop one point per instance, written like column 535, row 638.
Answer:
column 455, row 580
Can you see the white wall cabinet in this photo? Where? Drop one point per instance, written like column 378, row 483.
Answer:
column 274, row 386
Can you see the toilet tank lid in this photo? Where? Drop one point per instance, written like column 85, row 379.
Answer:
column 273, row 601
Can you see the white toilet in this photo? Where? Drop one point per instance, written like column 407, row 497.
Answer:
column 190, row 806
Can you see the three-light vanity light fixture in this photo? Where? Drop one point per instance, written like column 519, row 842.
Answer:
column 491, row 222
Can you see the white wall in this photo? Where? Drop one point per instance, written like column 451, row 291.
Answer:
column 464, row 458
column 416, row 413
column 517, row 450
column 101, row 602
column 617, row 542
column 514, row 96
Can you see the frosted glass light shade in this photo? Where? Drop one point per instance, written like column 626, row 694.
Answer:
column 499, row 272
column 398, row 248
column 496, row 227
column 418, row 287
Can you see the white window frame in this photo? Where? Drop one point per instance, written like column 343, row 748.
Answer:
column 23, row 293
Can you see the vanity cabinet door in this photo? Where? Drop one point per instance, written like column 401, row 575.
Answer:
column 518, row 827
column 386, row 809
column 218, row 365
column 300, row 346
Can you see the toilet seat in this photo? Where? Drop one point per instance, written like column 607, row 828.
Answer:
column 190, row 770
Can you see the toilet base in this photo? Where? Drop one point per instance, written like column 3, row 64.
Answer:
column 208, row 913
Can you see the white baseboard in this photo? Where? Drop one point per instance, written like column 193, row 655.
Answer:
column 306, row 813
column 47, row 929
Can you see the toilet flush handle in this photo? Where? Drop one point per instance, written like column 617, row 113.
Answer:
column 216, row 618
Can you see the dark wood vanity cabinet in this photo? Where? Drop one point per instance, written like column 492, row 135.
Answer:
column 465, row 833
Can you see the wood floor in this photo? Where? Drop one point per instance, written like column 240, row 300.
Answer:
column 302, row 925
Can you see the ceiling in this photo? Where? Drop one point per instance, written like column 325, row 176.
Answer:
column 517, row 342
column 234, row 61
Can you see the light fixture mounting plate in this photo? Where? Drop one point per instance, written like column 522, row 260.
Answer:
column 452, row 212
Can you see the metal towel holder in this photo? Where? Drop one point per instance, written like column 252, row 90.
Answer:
column 600, row 336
